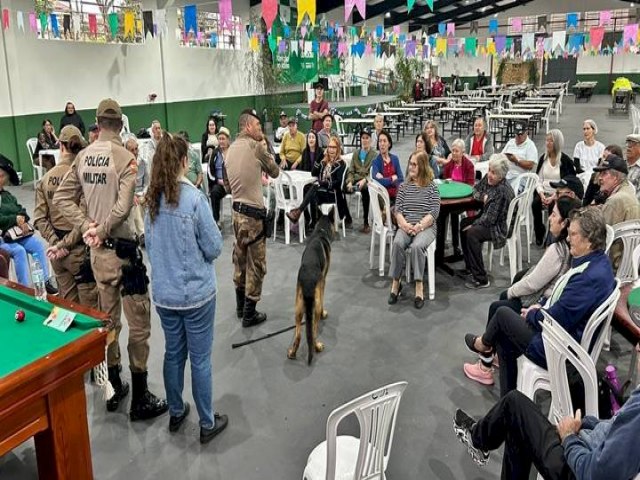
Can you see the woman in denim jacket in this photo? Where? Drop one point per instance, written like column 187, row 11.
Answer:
column 182, row 241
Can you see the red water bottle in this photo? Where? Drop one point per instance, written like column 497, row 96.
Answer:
column 612, row 376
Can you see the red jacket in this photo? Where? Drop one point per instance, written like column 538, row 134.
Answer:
column 468, row 170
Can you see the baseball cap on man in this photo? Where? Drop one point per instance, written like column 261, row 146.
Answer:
column 292, row 120
column 250, row 111
column 365, row 131
column 283, row 114
column 109, row 108
column 571, row 182
column 634, row 137
column 613, row 162
column 519, row 128
column 224, row 131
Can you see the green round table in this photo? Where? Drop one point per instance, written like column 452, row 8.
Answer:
column 633, row 304
column 450, row 190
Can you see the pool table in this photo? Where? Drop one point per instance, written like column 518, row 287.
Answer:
column 42, row 381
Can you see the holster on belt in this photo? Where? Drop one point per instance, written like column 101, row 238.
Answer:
column 263, row 214
column 134, row 272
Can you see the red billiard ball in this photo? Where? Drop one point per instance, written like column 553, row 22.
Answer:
column 20, row 316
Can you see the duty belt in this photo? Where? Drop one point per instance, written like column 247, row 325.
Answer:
column 249, row 211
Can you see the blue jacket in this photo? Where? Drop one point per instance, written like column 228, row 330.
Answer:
column 377, row 167
column 607, row 449
column 582, row 295
column 182, row 243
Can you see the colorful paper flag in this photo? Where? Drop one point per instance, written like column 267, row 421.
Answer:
column 20, row 21
column 451, row 29
column 411, row 3
column 113, row 24
column 441, row 46
column 630, row 34
column 442, row 29
column 307, row 7
column 500, row 42
column 5, row 18
column 605, row 18
column 44, row 22
column 93, row 24
column 269, row 12
column 516, row 25
column 33, row 23
column 572, row 20
column 226, row 14
column 190, row 19
column 54, row 25
column 493, row 26
column 129, row 24
column 559, row 40
column 470, row 46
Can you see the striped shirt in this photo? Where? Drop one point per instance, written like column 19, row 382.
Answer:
column 414, row 202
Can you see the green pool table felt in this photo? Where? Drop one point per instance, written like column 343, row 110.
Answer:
column 26, row 342
column 634, row 297
column 451, row 189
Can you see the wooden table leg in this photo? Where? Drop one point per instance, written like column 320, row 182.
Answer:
column 64, row 450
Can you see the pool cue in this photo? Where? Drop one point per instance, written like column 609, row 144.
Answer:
column 268, row 335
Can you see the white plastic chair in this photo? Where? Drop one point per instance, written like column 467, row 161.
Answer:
column 610, row 234
column 379, row 229
column 431, row 268
column 38, row 170
column 530, row 181
column 514, row 244
column 545, row 119
column 629, row 234
column 125, row 125
column 286, row 203
column 635, row 261
column 347, row 457
column 336, row 215
column 585, row 178
column 532, row 378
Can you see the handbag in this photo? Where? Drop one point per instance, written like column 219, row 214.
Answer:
column 16, row 233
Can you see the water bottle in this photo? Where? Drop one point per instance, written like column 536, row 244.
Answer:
column 612, row 376
column 37, row 278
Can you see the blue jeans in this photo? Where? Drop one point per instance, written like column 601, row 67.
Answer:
column 18, row 251
column 189, row 332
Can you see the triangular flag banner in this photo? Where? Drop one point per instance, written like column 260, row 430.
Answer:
column 528, row 43
column 630, row 34
column 253, row 43
column 411, row 3
column 20, row 21
column 516, row 25
column 93, row 24
column 54, row 25
column 559, row 40
column 493, row 26
column 342, row 49
column 410, row 49
column 43, row 22
column 379, row 31
column 473, row 27
column 66, row 24
column 572, row 20
column 226, row 14
column 282, row 46
column 33, row 25
column 605, row 18
column 273, row 42
column 500, row 42
column 348, row 8
column 129, row 24
column 361, row 5
column 429, row 4
column 161, row 25
column 442, row 29
column 113, row 24
column 575, row 43
column 269, row 12
column 5, row 18
column 542, row 23
column 441, row 46
column 451, row 29
column 147, row 19
column 470, row 46
column 190, row 19
column 76, row 24
column 306, row 7
column 491, row 47
column 368, row 49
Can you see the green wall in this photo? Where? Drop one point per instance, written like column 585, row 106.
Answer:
column 190, row 116
column 604, row 81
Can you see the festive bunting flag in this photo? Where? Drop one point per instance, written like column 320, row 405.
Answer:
column 558, row 41
column 575, row 43
column 379, row 31
column 147, row 19
column 429, row 4
column 161, row 23
column 516, row 25
column 410, row 49
column 528, row 43
column 491, row 47
column 442, row 29
column 269, row 12
column 66, row 24
column 342, row 49
column 451, row 29
column 411, row 3
column 226, row 14
column 129, row 24
column 54, row 25
column 572, row 20
column 542, row 23
column 361, row 5
column 500, row 43
column 396, row 29
column 473, row 27
column 441, row 46
column 76, row 24
column 191, row 19
column 306, row 7
column 93, row 24
column 113, row 24
column 470, row 46
column 33, row 25
column 20, row 21
column 493, row 26
column 44, row 22
column 282, row 46
column 368, row 49
column 630, row 34
column 253, row 43
column 5, row 18
column 605, row 18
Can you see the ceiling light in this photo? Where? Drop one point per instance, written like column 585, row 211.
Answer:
column 484, row 9
column 387, row 15
column 495, row 15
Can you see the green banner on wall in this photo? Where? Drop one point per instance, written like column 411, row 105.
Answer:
column 297, row 68
column 329, row 66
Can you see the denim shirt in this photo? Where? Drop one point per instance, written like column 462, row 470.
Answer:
column 182, row 243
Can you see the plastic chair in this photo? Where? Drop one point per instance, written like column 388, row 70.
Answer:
column 610, row 234
column 285, row 203
column 532, row 378
column 635, row 262
column 347, row 457
column 383, row 230
column 629, row 233
column 38, row 170
column 530, row 181
column 336, row 215
column 514, row 244
column 585, row 178
column 431, row 268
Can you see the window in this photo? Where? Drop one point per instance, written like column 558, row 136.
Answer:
column 529, row 25
column 88, row 20
column 211, row 34
column 619, row 19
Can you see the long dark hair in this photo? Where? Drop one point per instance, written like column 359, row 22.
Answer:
column 206, row 127
column 427, row 143
column 166, row 171
column 565, row 206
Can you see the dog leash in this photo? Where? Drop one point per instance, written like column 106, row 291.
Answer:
column 264, row 337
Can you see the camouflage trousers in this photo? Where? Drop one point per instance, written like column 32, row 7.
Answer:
column 249, row 256
column 66, row 270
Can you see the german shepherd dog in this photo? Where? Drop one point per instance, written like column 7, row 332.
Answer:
column 310, row 287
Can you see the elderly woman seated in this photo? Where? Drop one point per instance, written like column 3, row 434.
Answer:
column 458, row 168
column 583, row 289
column 417, row 208
column 495, row 194
column 530, row 286
column 328, row 189
column 479, row 143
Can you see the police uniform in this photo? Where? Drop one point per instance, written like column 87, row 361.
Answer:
column 244, row 163
column 73, row 272
column 104, row 176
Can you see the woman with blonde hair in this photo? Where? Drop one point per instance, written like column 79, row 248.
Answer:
column 330, row 172
column 417, row 208
column 440, row 151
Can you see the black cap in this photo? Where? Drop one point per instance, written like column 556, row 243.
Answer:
column 250, row 111
column 318, row 85
column 519, row 127
column 365, row 131
column 571, row 182
column 7, row 166
column 613, row 162
column 93, row 127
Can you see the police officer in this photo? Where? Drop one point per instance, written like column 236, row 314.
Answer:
column 66, row 250
column 245, row 161
column 104, row 176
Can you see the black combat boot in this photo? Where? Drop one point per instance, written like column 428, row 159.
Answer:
column 121, row 388
column 239, row 302
column 251, row 316
column 144, row 404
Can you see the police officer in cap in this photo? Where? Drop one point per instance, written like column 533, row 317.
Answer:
column 104, row 176
column 245, row 161
column 66, row 251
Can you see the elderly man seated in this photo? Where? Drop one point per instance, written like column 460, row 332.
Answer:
column 633, row 155
column 621, row 204
column 521, row 152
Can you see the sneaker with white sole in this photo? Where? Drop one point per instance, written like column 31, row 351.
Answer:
column 462, row 426
column 476, row 284
column 479, row 373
